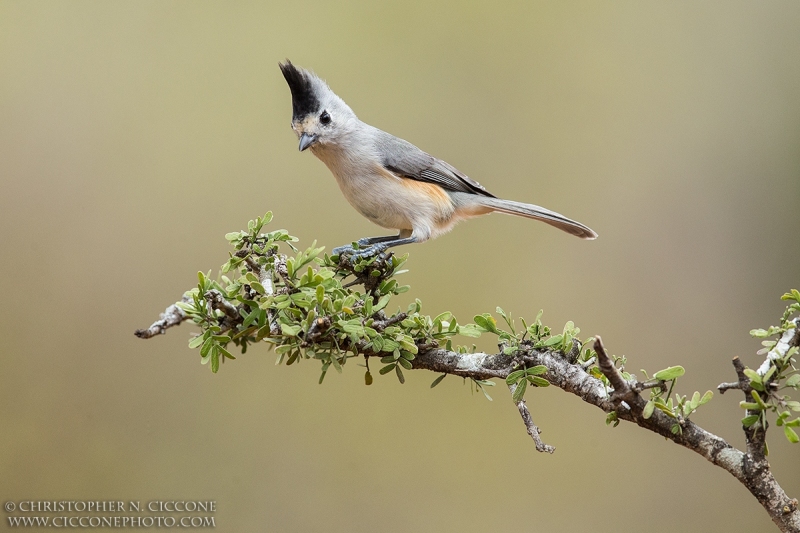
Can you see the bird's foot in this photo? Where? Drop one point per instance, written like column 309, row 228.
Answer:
column 353, row 254
column 346, row 249
column 370, row 251
column 361, row 245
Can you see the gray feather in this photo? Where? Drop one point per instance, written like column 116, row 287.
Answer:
column 408, row 161
column 538, row 213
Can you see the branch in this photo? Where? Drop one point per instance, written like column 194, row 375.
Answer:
column 533, row 429
column 628, row 405
column 172, row 316
column 308, row 313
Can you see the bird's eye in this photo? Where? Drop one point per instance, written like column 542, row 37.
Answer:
column 325, row 118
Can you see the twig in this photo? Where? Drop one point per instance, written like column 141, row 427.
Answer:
column 622, row 389
column 172, row 316
column 533, row 429
column 217, row 301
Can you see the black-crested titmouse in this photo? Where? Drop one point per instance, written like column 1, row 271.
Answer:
column 390, row 181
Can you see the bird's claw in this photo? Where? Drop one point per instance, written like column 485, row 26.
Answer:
column 354, row 253
column 346, row 249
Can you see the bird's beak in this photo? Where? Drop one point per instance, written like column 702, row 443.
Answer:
column 307, row 140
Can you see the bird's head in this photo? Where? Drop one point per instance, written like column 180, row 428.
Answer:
column 319, row 117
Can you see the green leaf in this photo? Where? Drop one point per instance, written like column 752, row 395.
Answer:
column 336, row 364
column 793, row 380
column 793, row 295
column 514, row 376
column 438, row 380
column 519, row 392
column 382, row 303
column 399, row 374
column 750, row 420
column 539, row 382
column 669, row 373
column 206, row 347
column 791, row 435
column 225, row 352
column 290, row 331
column 387, row 369
column 753, row 375
column 706, row 397
column 485, row 393
column 486, row 322
column 197, row 341
column 552, row 341
column 469, row 331
column 537, row 370
column 757, row 398
column 214, row 360
column 750, row 405
column 649, row 407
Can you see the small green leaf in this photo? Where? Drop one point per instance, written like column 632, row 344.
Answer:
column 791, row 435
column 539, row 382
column 753, row 375
column 706, row 397
column 469, row 331
column 214, row 360
column 438, row 380
column 669, row 373
column 552, row 341
column 514, row 376
column 537, row 370
column 649, row 407
column 485, row 393
column 757, row 398
column 750, row 420
column 695, row 401
column 197, row 341
column 793, row 380
column 290, row 331
column 399, row 374
column 519, row 392
column 485, row 323
column 225, row 352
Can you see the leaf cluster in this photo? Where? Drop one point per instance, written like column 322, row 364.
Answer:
column 769, row 384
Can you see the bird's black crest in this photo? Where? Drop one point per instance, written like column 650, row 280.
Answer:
column 304, row 99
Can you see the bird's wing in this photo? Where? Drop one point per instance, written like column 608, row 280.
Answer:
column 406, row 160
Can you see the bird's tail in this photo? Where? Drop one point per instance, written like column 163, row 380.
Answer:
column 535, row 212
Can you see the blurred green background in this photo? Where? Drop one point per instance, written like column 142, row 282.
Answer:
column 134, row 135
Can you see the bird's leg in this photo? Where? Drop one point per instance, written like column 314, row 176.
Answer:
column 365, row 242
column 382, row 246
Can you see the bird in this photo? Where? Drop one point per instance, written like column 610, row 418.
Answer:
column 389, row 180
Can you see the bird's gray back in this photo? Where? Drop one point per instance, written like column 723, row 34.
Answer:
column 405, row 159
